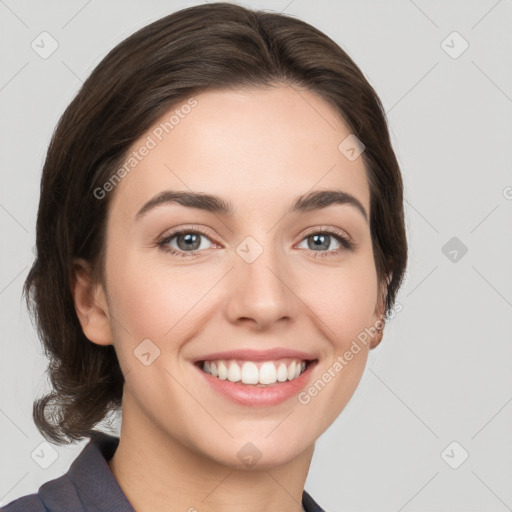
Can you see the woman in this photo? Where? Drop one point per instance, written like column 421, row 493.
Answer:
column 220, row 235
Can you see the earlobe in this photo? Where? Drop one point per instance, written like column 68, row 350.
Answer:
column 90, row 305
column 377, row 337
column 379, row 315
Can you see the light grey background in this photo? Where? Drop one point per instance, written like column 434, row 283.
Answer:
column 443, row 370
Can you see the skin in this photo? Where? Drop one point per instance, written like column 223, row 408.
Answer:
column 179, row 438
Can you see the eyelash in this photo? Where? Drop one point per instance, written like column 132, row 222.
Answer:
column 347, row 244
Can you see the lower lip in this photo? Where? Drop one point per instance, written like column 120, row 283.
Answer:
column 249, row 395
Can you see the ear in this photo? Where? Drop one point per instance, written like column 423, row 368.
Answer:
column 90, row 305
column 379, row 314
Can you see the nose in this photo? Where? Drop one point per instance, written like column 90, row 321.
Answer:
column 261, row 292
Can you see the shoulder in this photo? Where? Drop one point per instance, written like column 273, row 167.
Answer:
column 28, row 503
column 309, row 504
column 58, row 495
column 88, row 485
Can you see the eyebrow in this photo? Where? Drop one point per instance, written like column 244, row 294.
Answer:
column 311, row 201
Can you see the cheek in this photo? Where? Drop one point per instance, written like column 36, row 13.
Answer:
column 151, row 299
column 344, row 302
column 344, row 299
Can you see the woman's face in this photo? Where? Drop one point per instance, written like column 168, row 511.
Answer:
column 271, row 283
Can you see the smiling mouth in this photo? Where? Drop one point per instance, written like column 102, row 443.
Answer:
column 256, row 373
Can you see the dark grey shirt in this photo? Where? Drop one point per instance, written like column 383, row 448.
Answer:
column 90, row 486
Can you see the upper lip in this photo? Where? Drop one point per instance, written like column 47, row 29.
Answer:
column 257, row 355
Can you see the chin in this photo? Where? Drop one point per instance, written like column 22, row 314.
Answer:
column 250, row 452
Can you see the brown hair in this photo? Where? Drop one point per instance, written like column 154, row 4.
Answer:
column 209, row 46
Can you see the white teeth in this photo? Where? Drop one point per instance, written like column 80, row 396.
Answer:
column 282, row 373
column 268, row 372
column 250, row 373
column 223, row 371
column 234, row 374
column 291, row 371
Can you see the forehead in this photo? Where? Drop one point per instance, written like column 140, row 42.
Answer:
column 250, row 146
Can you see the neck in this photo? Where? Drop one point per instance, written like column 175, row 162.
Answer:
column 158, row 472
